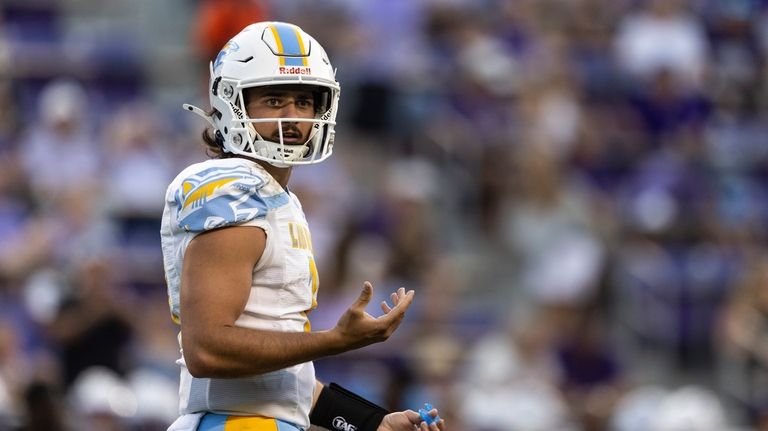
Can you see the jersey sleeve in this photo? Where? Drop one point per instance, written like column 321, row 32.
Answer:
column 222, row 198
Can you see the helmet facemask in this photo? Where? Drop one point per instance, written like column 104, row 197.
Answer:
column 316, row 144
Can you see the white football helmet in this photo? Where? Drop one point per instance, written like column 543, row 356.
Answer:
column 268, row 54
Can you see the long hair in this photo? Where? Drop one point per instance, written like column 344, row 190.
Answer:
column 214, row 148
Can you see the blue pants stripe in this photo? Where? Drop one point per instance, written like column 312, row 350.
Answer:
column 212, row 422
column 216, row 422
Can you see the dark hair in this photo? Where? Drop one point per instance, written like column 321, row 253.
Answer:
column 214, row 148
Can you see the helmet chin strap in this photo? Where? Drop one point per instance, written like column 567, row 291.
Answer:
column 274, row 151
column 271, row 150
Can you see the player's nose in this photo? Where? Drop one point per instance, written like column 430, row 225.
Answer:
column 289, row 109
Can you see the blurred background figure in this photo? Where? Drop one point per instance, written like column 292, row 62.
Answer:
column 743, row 329
column 93, row 325
column 218, row 20
column 60, row 155
column 576, row 190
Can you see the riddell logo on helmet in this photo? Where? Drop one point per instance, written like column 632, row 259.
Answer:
column 295, row 70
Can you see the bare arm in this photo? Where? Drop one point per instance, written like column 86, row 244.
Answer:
column 215, row 284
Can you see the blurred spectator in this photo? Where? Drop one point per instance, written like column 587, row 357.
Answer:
column 94, row 325
column 670, row 280
column 553, row 113
column 660, row 409
column 743, row 351
column 102, row 400
column 668, row 109
column 547, row 225
column 592, row 377
column 15, row 374
column 383, row 62
column 157, row 399
column 58, row 153
column 15, row 204
column 10, row 122
column 410, row 188
column 510, row 380
column 691, row 407
column 154, row 347
column 138, row 169
column 44, row 409
column 663, row 35
column 139, row 165
column 218, row 20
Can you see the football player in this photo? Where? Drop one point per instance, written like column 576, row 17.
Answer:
column 238, row 252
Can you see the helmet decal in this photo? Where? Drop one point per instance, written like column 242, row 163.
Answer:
column 288, row 44
column 228, row 48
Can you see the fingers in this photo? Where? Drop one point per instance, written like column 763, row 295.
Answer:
column 385, row 307
column 413, row 417
column 418, row 423
column 364, row 298
column 404, row 300
column 438, row 425
column 395, row 297
column 400, row 295
column 401, row 300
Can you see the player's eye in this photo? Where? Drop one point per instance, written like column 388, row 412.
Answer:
column 273, row 102
column 304, row 103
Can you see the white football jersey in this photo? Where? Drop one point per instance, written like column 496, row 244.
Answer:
column 238, row 192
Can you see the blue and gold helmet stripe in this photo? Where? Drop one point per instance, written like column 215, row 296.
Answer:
column 290, row 45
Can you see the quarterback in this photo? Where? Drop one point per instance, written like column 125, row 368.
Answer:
column 238, row 253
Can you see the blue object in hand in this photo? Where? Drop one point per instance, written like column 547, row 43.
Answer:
column 424, row 413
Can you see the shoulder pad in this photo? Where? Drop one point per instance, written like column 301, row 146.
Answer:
column 223, row 196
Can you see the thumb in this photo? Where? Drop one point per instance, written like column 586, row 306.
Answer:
column 413, row 417
column 365, row 297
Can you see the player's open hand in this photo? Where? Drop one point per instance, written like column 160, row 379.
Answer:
column 358, row 328
column 409, row 420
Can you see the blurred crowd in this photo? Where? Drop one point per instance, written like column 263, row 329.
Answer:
column 576, row 189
